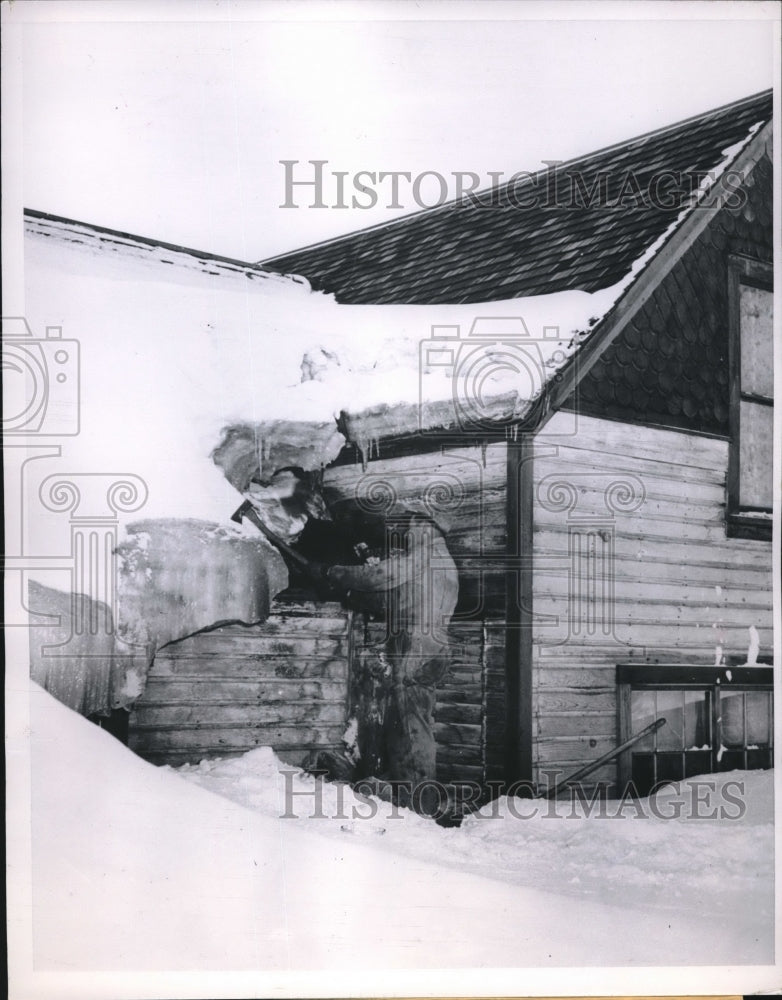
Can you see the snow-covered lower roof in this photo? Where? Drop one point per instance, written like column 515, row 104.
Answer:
column 125, row 246
column 178, row 345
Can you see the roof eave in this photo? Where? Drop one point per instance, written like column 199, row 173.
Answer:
column 559, row 390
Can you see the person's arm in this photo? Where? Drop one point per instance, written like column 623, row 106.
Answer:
column 370, row 578
column 398, row 569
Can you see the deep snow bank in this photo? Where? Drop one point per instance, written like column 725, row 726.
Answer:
column 705, row 845
column 135, row 868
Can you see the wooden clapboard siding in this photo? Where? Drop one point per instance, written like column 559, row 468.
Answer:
column 707, row 574
column 283, row 683
column 677, row 587
column 464, row 491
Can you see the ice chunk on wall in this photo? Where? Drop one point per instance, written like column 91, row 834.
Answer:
column 178, row 576
column 175, row 578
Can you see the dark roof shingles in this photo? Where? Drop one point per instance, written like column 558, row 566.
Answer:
column 466, row 253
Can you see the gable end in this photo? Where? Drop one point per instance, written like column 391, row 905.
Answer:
column 669, row 366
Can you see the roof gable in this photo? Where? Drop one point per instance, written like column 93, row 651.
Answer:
column 669, row 365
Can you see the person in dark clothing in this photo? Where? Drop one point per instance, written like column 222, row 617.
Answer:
column 412, row 580
column 417, row 584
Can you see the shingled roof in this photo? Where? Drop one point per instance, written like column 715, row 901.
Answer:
column 602, row 216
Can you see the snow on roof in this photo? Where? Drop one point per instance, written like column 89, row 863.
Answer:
column 484, row 363
column 177, row 345
column 502, row 354
column 171, row 353
column 124, row 246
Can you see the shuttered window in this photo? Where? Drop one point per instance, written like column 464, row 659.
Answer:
column 750, row 473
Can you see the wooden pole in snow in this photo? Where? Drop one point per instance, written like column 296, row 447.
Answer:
column 582, row 772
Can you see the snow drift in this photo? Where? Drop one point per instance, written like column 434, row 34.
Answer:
column 135, row 868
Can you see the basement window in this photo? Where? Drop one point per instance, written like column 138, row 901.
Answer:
column 751, row 363
column 716, row 719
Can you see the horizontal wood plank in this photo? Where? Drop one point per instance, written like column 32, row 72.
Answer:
column 453, row 712
column 218, row 647
column 240, row 715
column 205, row 740
column 280, row 664
column 593, row 724
column 206, row 690
column 579, row 701
column 572, row 749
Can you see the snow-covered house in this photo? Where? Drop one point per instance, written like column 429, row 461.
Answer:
column 636, row 494
column 570, row 376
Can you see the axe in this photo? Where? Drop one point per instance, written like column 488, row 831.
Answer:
column 247, row 510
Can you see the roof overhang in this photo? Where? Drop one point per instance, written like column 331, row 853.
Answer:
column 426, row 427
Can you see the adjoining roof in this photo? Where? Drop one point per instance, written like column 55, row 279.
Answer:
column 607, row 209
column 114, row 242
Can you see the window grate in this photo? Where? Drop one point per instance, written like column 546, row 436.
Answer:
column 717, row 719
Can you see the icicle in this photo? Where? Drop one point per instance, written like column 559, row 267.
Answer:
column 362, row 447
column 754, row 647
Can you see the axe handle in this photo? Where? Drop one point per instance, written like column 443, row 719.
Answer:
column 247, row 510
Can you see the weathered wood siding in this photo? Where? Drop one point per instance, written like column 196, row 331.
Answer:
column 631, row 563
column 463, row 490
column 283, row 684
